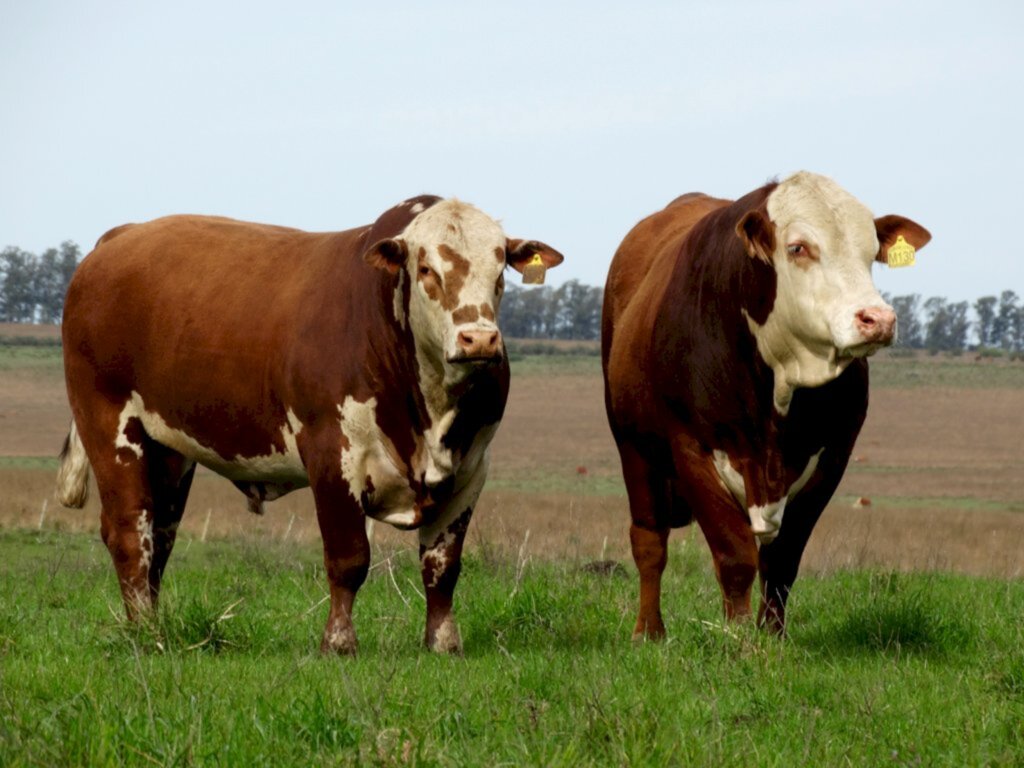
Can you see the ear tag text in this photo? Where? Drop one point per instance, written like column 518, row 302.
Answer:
column 533, row 273
column 901, row 253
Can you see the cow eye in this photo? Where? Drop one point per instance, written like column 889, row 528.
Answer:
column 801, row 250
column 425, row 271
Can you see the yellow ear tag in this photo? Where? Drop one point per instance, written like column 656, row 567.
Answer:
column 533, row 273
column 901, row 253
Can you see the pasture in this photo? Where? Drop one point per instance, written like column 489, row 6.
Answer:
column 905, row 643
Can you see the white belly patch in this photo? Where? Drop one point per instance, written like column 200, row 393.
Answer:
column 276, row 465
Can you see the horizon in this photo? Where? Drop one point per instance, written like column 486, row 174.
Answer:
column 567, row 124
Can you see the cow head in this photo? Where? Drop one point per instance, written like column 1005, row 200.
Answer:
column 454, row 256
column 821, row 242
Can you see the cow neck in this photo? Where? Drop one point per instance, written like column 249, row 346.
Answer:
column 726, row 300
column 795, row 363
column 441, row 386
column 702, row 351
column 440, row 383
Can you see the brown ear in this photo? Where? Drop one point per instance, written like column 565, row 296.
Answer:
column 891, row 227
column 758, row 235
column 387, row 254
column 519, row 253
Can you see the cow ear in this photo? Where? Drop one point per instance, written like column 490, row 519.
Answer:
column 519, row 253
column 758, row 235
column 389, row 254
column 889, row 228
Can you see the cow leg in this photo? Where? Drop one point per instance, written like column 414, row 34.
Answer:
column 346, row 556
column 440, row 565
column 441, row 562
column 734, row 552
column 650, row 553
column 170, row 479
column 725, row 525
column 648, row 536
column 780, row 559
column 119, row 452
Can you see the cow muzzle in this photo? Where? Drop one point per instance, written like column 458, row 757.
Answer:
column 873, row 328
column 876, row 325
column 478, row 347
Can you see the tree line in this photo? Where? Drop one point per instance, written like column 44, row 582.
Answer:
column 938, row 325
column 573, row 311
column 32, row 289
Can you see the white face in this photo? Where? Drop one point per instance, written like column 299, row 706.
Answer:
column 825, row 244
column 455, row 262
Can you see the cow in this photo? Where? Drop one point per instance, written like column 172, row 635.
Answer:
column 734, row 344
column 366, row 364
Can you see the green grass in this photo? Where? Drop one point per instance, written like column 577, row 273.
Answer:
column 886, row 372
column 30, row 462
column 965, row 503
column 878, row 669
column 544, row 359
column 32, row 357
column 954, row 373
column 549, row 365
column 564, row 480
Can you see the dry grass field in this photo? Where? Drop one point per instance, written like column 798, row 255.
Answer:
column 940, row 460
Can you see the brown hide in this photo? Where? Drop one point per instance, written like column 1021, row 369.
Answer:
column 684, row 379
column 230, row 331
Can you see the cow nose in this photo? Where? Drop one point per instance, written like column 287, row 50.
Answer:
column 480, row 344
column 876, row 324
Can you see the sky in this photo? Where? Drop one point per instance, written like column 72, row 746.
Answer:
column 568, row 122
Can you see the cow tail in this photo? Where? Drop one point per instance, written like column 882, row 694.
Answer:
column 73, row 475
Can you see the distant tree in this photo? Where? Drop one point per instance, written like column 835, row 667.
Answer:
column 527, row 313
column 985, row 315
column 578, row 310
column 32, row 288
column 511, row 316
column 936, row 324
column 47, row 288
column 1017, row 330
column 18, row 269
column 958, row 326
column 1002, row 325
column 70, row 256
column 910, row 331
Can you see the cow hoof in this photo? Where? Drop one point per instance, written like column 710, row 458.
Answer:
column 653, row 634
column 446, row 639
column 340, row 641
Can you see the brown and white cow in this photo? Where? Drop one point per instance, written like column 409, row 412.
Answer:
column 734, row 344
column 366, row 364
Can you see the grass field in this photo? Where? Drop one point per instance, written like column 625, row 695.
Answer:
column 905, row 645
column 880, row 668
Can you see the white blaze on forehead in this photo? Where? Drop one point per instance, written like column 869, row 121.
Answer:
column 286, row 465
column 820, row 203
column 457, row 224
column 812, row 323
column 475, row 237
